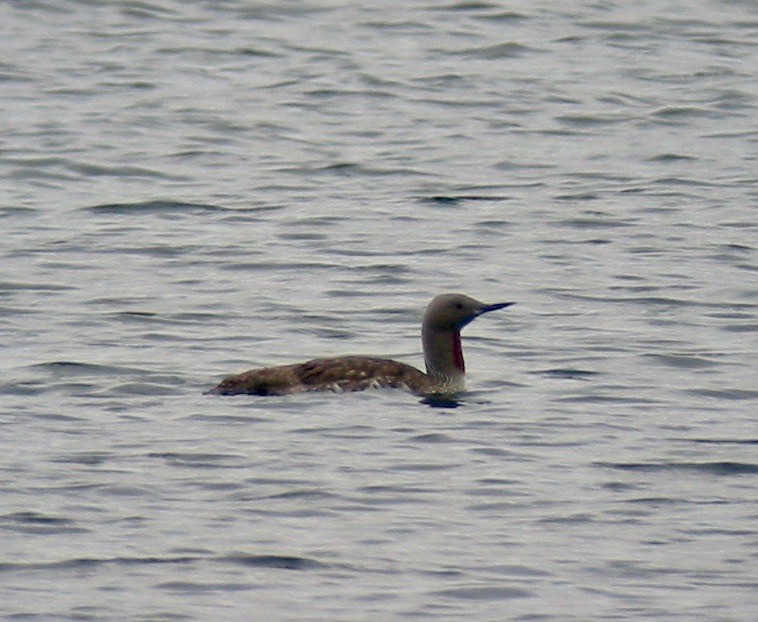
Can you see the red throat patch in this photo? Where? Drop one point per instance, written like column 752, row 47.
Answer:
column 458, row 352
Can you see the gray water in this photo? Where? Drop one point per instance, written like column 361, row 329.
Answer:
column 190, row 189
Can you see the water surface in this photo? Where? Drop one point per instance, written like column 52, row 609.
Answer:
column 192, row 189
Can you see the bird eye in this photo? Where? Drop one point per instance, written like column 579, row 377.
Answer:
column 458, row 305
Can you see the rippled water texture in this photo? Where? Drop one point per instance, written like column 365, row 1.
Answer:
column 190, row 189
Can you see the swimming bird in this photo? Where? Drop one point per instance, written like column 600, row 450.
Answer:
column 441, row 328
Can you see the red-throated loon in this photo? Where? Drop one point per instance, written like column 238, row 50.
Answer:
column 441, row 328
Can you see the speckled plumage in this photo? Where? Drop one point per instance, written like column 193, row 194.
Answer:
column 443, row 320
column 338, row 374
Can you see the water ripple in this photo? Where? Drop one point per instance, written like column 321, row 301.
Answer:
column 725, row 468
column 194, row 188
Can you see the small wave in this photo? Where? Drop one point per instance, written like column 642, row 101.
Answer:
column 9, row 286
column 90, row 458
column 594, row 119
column 682, row 361
column 82, row 378
column 141, row 388
column 725, row 394
column 89, row 562
column 98, row 170
column 484, row 593
column 151, row 207
column 567, row 372
column 434, row 437
column 679, row 112
column 499, row 51
column 285, row 562
column 32, row 522
column 455, row 199
column 197, row 587
column 65, row 369
column 35, row 518
column 198, row 460
column 670, row 157
column 724, row 441
column 598, row 221
column 711, row 468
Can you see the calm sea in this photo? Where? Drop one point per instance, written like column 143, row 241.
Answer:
column 190, row 189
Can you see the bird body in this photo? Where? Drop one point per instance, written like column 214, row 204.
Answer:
column 443, row 320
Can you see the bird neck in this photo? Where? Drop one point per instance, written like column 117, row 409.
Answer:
column 443, row 355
